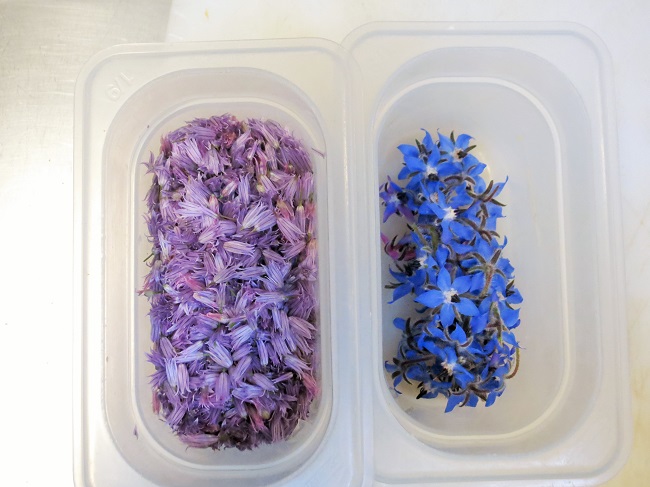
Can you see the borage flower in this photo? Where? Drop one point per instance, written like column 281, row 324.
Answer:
column 462, row 347
column 423, row 162
column 395, row 200
column 448, row 297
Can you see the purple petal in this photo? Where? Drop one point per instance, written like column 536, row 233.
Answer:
column 240, row 248
column 199, row 440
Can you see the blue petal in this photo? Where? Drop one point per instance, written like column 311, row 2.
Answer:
column 515, row 297
column 444, row 280
column 418, row 278
column 475, row 167
column 453, row 401
column 472, row 215
column 399, row 323
column 491, row 224
column 435, row 331
column 445, row 143
column 390, row 367
column 462, row 231
column 510, row 339
column 431, row 347
column 490, row 346
column 462, row 141
column 414, row 184
column 415, row 372
column 400, row 276
column 498, row 283
column 441, row 255
column 401, row 291
column 473, row 400
column 478, row 323
column 404, row 173
column 480, row 185
column 461, row 199
column 408, row 150
column 462, row 376
column 395, row 187
column 475, row 347
column 431, row 298
column 447, row 169
column 446, row 236
column 429, row 209
column 514, row 325
column 391, row 208
column 499, row 187
column 492, row 384
column 437, row 209
column 459, row 334
column 485, row 372
column 447, row 314
column 432, row 187
column 485, row 305
column 478, row 281
column 492, row 396
column 462, row 284
column 509, row 316
column 501, row 371
column 460, row 248
column 442, row 200
column 505, row 266
column 427, row 142
column 450, row 353
column 440, row 386
column 434, row 157
column 494, row 211
column 469, row 160
column 415, row 164
column 467, row 307
column 484, row 249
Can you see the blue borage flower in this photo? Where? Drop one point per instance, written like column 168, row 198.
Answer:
column 450, row 263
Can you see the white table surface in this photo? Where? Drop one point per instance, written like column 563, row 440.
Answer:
column 42, row 48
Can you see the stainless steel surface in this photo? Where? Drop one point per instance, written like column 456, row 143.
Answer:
column 42, row 48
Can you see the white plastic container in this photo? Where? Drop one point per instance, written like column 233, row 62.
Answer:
column 128, row 98
column 538, row 104
column 537, row 99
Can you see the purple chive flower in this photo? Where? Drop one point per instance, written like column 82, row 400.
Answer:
column 232, row 282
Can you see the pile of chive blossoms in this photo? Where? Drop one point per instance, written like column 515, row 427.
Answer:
column 458, row 341
column 232, row 282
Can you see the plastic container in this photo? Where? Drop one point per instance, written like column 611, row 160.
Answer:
column 537, row 99
column 128, row 98
column 538, row 104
